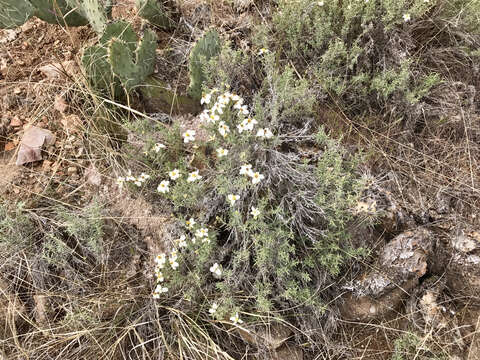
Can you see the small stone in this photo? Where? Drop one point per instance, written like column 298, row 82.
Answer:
column 72, row 170
column 16, row 122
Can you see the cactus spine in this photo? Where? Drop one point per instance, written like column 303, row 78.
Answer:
column 206, row 47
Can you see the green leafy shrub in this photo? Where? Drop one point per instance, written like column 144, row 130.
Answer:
column 378, row 54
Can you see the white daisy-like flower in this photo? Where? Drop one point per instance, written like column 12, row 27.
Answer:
column 163, row 187
column 205, row 99
column 256, row 177
column 213, row 308
column 406, row 17
column 205, row 116
column 193, row 176
column 188, row 136
column 218, row 108
column 120, row 181
column 222, row 152
column 241, row 128
column 215, row 269
column 238, row 104
column 255, row 212
column 174, row 174
column 160, row 260
column 236, row 98
column 245, row 169
column 182, row 242
column 129, row 176
column 138, row 182
column 213, row 118
column 159, row 289
column 173, row 262
column 159, row 274
column 232, row 198
column 223, row 128
column 249, row 123
column 321, row 3
column 263, row 51
column 143, row 177
column 200, row 233
column 236, row 319
column 264, row 133
column 206, row 240
column 190, row 223
column 244, row 110
column 223, row 99
column 157, row 147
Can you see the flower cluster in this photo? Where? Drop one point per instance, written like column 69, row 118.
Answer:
column 137, row 180
column 175, row 174
column 254, row 175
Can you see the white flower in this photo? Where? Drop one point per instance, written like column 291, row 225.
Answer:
column 159, row 275
column 224, row 99
column 163, row 187
column 189, row 135
column 174, row 174
column 263, row 51
column 236, row 98
column 232, row 198
column 222, row 152
column 120, row 181
column 138, row 182
column 213, row 118
column 256, row 177
column 235, row 319
column 206, row 240
column 255, row 212
column 213, row 309
column 157, row 147
column 160, row 260
column 218, row 107
column 215, row 269
column 159, row 290
column 203, row 232
column 249, row 123
column 223, row 128
column 238, row 104
column 193, row 176
column 321, row 3
column 190, row 223
column 143, row 177
column 173, row 262
column 406, row 17
column 204, row 116
column 182, row 242
column 245, row 169
column 244, row 110
column 264, row 133
column 129, row 176
column 240, row 128
column 205, row 99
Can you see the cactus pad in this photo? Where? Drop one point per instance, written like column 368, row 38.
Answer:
column 14, row 13
column 154, row 12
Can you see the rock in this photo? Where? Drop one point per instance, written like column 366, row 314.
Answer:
column 93, row 176
column 31, row 145
column 57, row 70
column 60, row 105
column 8, row 35
column 399, row 266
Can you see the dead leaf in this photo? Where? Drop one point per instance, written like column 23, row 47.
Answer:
column 60, row 104
column 31, row 144
column 93, row 176
column 9, row 146
column 8, row 35
column 57, row 70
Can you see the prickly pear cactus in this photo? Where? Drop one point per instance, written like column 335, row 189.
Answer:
column 206, row 48
column 95, row 11
column 14, row 13
column 154, row 12
column 133, row 67
column 119, row 60
column 57, row 12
